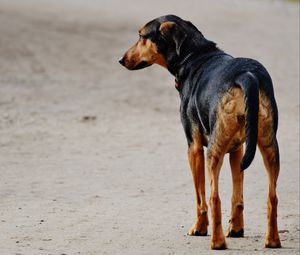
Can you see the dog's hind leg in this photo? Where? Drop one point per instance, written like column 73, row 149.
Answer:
column 236, row 227
column 214, row 162
column 268, row 146
column 226, row 128
column 271, row 160
column 196, row 160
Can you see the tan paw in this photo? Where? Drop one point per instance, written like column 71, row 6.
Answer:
column 218, row 245
column 272, row 243
column 200, row 227
column 197, row 231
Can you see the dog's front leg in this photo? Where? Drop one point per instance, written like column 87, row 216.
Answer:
column 196, row 160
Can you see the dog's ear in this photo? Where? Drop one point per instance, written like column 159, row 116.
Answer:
column 171, row 32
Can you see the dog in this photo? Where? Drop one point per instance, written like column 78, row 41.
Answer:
column 225, row 102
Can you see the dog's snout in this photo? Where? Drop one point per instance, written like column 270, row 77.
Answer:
column 121, row 61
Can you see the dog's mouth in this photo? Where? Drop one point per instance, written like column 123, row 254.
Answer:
column 130, row 65
column 141, row 65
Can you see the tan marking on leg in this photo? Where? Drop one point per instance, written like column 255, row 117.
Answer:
column 228, row 135
column 236, row 226
column 270, row 152
column 272, row 165
column 196, row 160
column 214, row 163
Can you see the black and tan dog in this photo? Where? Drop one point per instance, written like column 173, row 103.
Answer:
column 225, row 102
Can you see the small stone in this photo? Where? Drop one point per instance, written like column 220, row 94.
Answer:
column 47, row 239
column 88, row 118
column 283, row 231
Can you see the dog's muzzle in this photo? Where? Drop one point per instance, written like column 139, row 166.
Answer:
column 130, row 66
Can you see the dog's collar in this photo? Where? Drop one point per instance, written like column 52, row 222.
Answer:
column 177, row 84
column 186, row 58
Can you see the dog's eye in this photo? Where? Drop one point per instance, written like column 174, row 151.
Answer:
column 143, row 36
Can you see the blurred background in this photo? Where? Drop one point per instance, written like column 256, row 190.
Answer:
column 93, row 157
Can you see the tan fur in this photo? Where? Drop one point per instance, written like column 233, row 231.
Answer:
column 142, row 31
column 231, row 120
column 196, row 159
column 269, row 150
column 265, row 122
column 143, row 50
column 214, row 163
column 229, row 135
column 166, row 26
column 236, row 222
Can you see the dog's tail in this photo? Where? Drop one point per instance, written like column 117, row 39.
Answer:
column 249, row 84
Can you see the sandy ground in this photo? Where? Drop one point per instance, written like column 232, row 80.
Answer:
column 93, row 157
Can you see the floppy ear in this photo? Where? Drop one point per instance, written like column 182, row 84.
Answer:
column 171, row 32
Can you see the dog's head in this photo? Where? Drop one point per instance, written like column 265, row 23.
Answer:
column 161, row 41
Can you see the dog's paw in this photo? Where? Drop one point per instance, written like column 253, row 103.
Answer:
column 233, row 233
column 272, row 243
column 218, row 244
column 196, row 231
column 200, row 227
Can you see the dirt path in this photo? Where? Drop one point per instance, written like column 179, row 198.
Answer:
column 93, row 157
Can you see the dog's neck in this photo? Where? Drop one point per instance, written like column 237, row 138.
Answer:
column 181, row 69
column 193, row 46
column 175, row 63
column 178, row 70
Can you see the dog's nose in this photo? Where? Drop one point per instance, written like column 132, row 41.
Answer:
column 121, row 61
